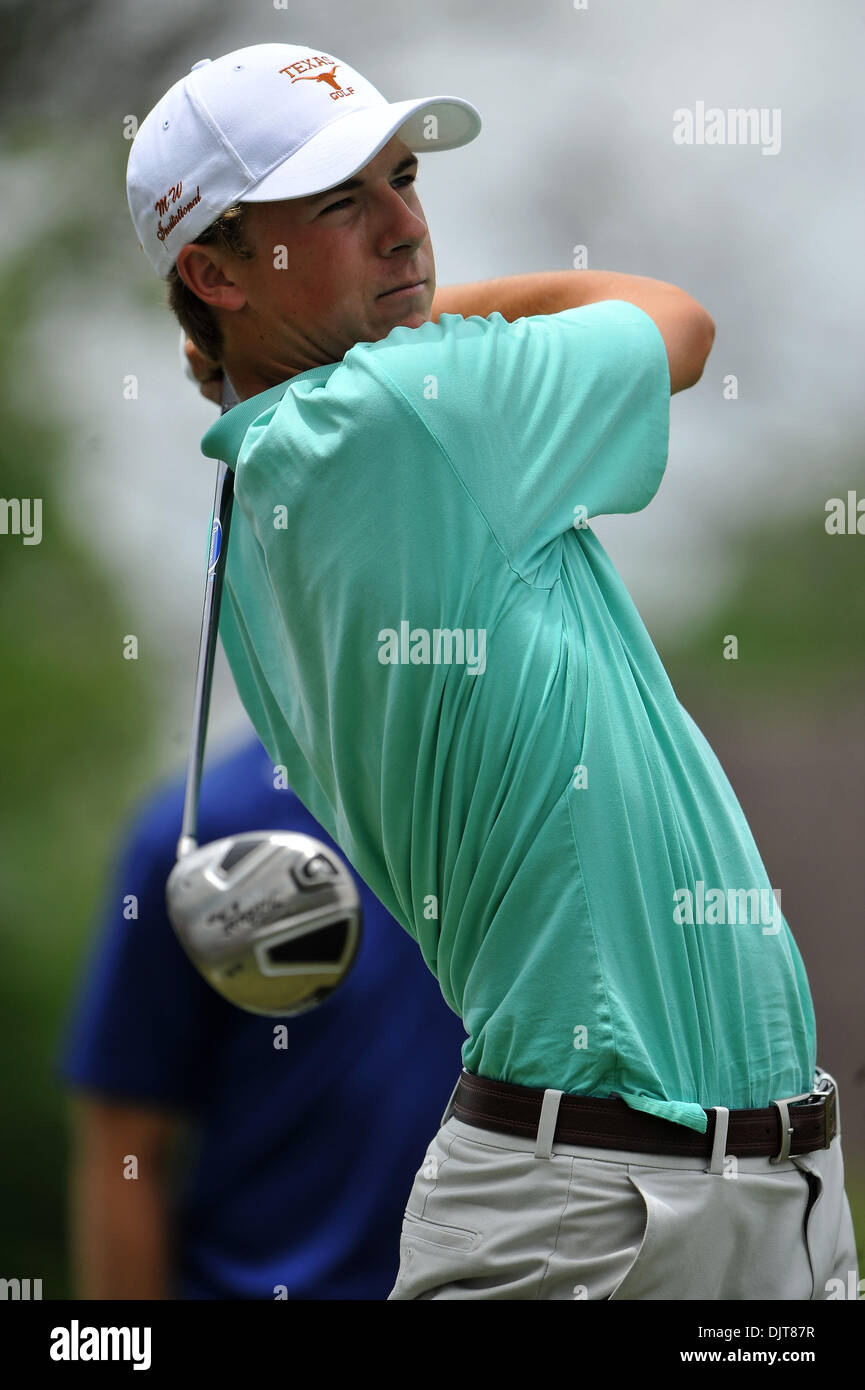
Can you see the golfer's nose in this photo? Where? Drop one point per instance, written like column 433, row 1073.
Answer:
column 401, row 226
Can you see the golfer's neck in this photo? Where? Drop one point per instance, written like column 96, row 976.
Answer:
column 250, row 376
column 248, row 380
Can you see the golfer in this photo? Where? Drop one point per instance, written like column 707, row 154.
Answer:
column 426, row 632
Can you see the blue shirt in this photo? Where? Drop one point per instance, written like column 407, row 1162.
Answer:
column 302, row 1159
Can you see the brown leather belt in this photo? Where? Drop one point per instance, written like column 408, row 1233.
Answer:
column 786, row 1127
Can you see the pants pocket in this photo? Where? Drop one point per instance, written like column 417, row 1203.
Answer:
column 432, row 1257
column 628, row 1285
column 420, row 1228
column 697, row 1227
column 758, row 1235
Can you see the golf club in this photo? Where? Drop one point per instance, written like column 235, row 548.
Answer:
column 271, row 918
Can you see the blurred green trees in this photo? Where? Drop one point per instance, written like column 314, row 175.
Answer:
column 78, row 725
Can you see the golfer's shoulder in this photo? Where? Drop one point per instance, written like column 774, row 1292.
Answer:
column 441, row 360
column 449, row 370
column 484, row 353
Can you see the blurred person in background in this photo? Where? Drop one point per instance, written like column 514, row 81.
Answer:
column 295, row 1160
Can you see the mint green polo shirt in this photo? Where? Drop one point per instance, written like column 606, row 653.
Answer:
column 429, row 638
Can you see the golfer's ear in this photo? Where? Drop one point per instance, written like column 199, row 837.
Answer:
column 204, row 271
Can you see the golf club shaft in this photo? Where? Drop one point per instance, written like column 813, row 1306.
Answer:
column 222, row 502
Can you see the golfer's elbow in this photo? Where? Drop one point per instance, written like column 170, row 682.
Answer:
column 688, row 355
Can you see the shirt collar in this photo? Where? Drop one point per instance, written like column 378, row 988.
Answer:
column 226, row 435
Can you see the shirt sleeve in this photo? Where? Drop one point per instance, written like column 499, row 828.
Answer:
column 550, row 420
column 143, row 1023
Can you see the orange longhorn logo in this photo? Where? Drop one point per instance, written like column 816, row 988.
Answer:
column 321, row 77
column 327, row 77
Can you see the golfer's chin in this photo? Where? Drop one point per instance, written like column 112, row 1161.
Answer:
column 411, row 320
column 405, row 310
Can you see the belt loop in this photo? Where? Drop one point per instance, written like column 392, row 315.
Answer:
column 719, row 1143
column 547, row 1123
column 824, row 1085
column 449, row 1108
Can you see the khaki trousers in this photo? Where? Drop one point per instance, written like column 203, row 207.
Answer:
column 497, row 1216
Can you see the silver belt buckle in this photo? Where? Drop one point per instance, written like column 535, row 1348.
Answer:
column 822, row 1089
column 786, row 1127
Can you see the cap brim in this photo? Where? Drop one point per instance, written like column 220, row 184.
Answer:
column 347, row 144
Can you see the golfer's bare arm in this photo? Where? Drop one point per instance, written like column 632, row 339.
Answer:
column 119, row 1225
column 687, row 329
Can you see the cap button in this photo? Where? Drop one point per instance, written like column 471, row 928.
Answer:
column 202, row 63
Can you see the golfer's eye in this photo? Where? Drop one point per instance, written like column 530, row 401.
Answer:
column 342, row 202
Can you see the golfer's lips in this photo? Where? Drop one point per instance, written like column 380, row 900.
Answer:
column 403, row 288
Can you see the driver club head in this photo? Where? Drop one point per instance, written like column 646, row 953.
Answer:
column 272, row 919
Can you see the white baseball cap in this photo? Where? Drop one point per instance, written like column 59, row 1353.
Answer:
column 273, row 121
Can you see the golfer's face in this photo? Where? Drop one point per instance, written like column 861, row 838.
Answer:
column 343, row 251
